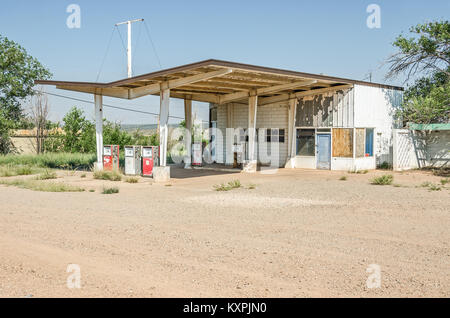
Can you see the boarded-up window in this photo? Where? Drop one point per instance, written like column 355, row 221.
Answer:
column 343, row 142
column 359, row 144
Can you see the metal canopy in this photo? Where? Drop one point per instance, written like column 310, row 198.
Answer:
column 217, row 82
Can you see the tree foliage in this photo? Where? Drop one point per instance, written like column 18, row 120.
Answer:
column 18, row 71
column 428, row 50
column 77, row 134
column 426, row 54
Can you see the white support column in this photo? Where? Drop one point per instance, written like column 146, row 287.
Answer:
column 99, row 130
column 252, row 110
column 163, row 125
column 292, row 112
column 162, row 173
column 188, row 141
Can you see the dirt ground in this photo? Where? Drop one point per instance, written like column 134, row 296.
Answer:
column 298, row 233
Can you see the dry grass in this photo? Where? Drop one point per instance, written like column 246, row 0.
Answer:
column 235, row 184
column 132, row 180
column 47, row 175
column 108, row 175
column 112, row 190
column 36, row 185
column 11, row 170
column 383, row 180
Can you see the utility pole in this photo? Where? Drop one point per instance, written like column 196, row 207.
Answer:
column 129, row 65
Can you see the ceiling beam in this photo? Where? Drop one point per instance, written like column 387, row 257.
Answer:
column 265, row 90
column 111, row 92
column 155, row 88
column 285, row 97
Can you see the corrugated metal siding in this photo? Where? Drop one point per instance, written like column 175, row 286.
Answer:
column 333, row 109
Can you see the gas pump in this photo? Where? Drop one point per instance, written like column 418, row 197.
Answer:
column 111, row 157
column 197, row 154
column 133, row 160
column 150, row 158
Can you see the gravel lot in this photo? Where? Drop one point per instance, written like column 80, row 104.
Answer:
column 298, row 233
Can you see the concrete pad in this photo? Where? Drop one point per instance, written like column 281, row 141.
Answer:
column 161, row 174
column 250, row 166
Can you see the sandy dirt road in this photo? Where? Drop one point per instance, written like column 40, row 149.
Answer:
column 299, row 233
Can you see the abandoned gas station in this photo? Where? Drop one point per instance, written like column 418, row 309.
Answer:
column 315, row 121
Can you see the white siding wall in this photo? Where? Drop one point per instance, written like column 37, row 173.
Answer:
column 269, row 116
column 375, row 108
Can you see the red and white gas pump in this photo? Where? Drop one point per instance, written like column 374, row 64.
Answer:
column 149, row 160
column 111, row 157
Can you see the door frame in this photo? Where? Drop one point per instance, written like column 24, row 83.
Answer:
column 318, row 134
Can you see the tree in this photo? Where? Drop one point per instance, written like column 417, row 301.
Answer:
column 428, row 51
column 427, row 54
column 39, row 114
column 18, row 71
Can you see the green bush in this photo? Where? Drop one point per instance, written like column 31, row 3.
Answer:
column 383, row 180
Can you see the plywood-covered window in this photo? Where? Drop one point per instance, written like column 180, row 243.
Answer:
column 343, row 142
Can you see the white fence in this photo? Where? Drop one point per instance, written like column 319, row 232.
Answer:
column 419, row 149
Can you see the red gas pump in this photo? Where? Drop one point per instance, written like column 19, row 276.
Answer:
column 149, row 160
column 111, row 157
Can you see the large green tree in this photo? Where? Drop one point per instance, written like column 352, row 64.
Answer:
column 424, row 55
column 18, row 71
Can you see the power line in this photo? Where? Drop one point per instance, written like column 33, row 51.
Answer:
column 106, row 53
column 153, row 45
column 111, row 106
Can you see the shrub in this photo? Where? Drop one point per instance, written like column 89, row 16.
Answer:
column 445, row 181
column 385, row 166
column 343, row 178
column 110, row 190
column 383, row 180
column 107, row 175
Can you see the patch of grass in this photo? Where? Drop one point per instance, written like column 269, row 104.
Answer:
column 58, row 160
column 83, row 175
column 37, row 185
column 426, row 184
column 252, row 186
column 112, row 190
column 358, row 171
column 343, row 178
column 445, row 181
column 132, row 180
column 107, row 175
column 47, row 175
column 383, row 180
column 11, row 170
column 434, row 187
column 92, row 190
column 235, row 184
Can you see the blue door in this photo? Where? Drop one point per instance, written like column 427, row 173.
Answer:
column 324, row 151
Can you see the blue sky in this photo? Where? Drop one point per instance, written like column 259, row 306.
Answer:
column 329, row 37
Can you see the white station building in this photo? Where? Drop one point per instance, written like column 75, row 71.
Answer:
column 314, row 121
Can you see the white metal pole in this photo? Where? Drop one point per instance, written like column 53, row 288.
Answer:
column 130, row 72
